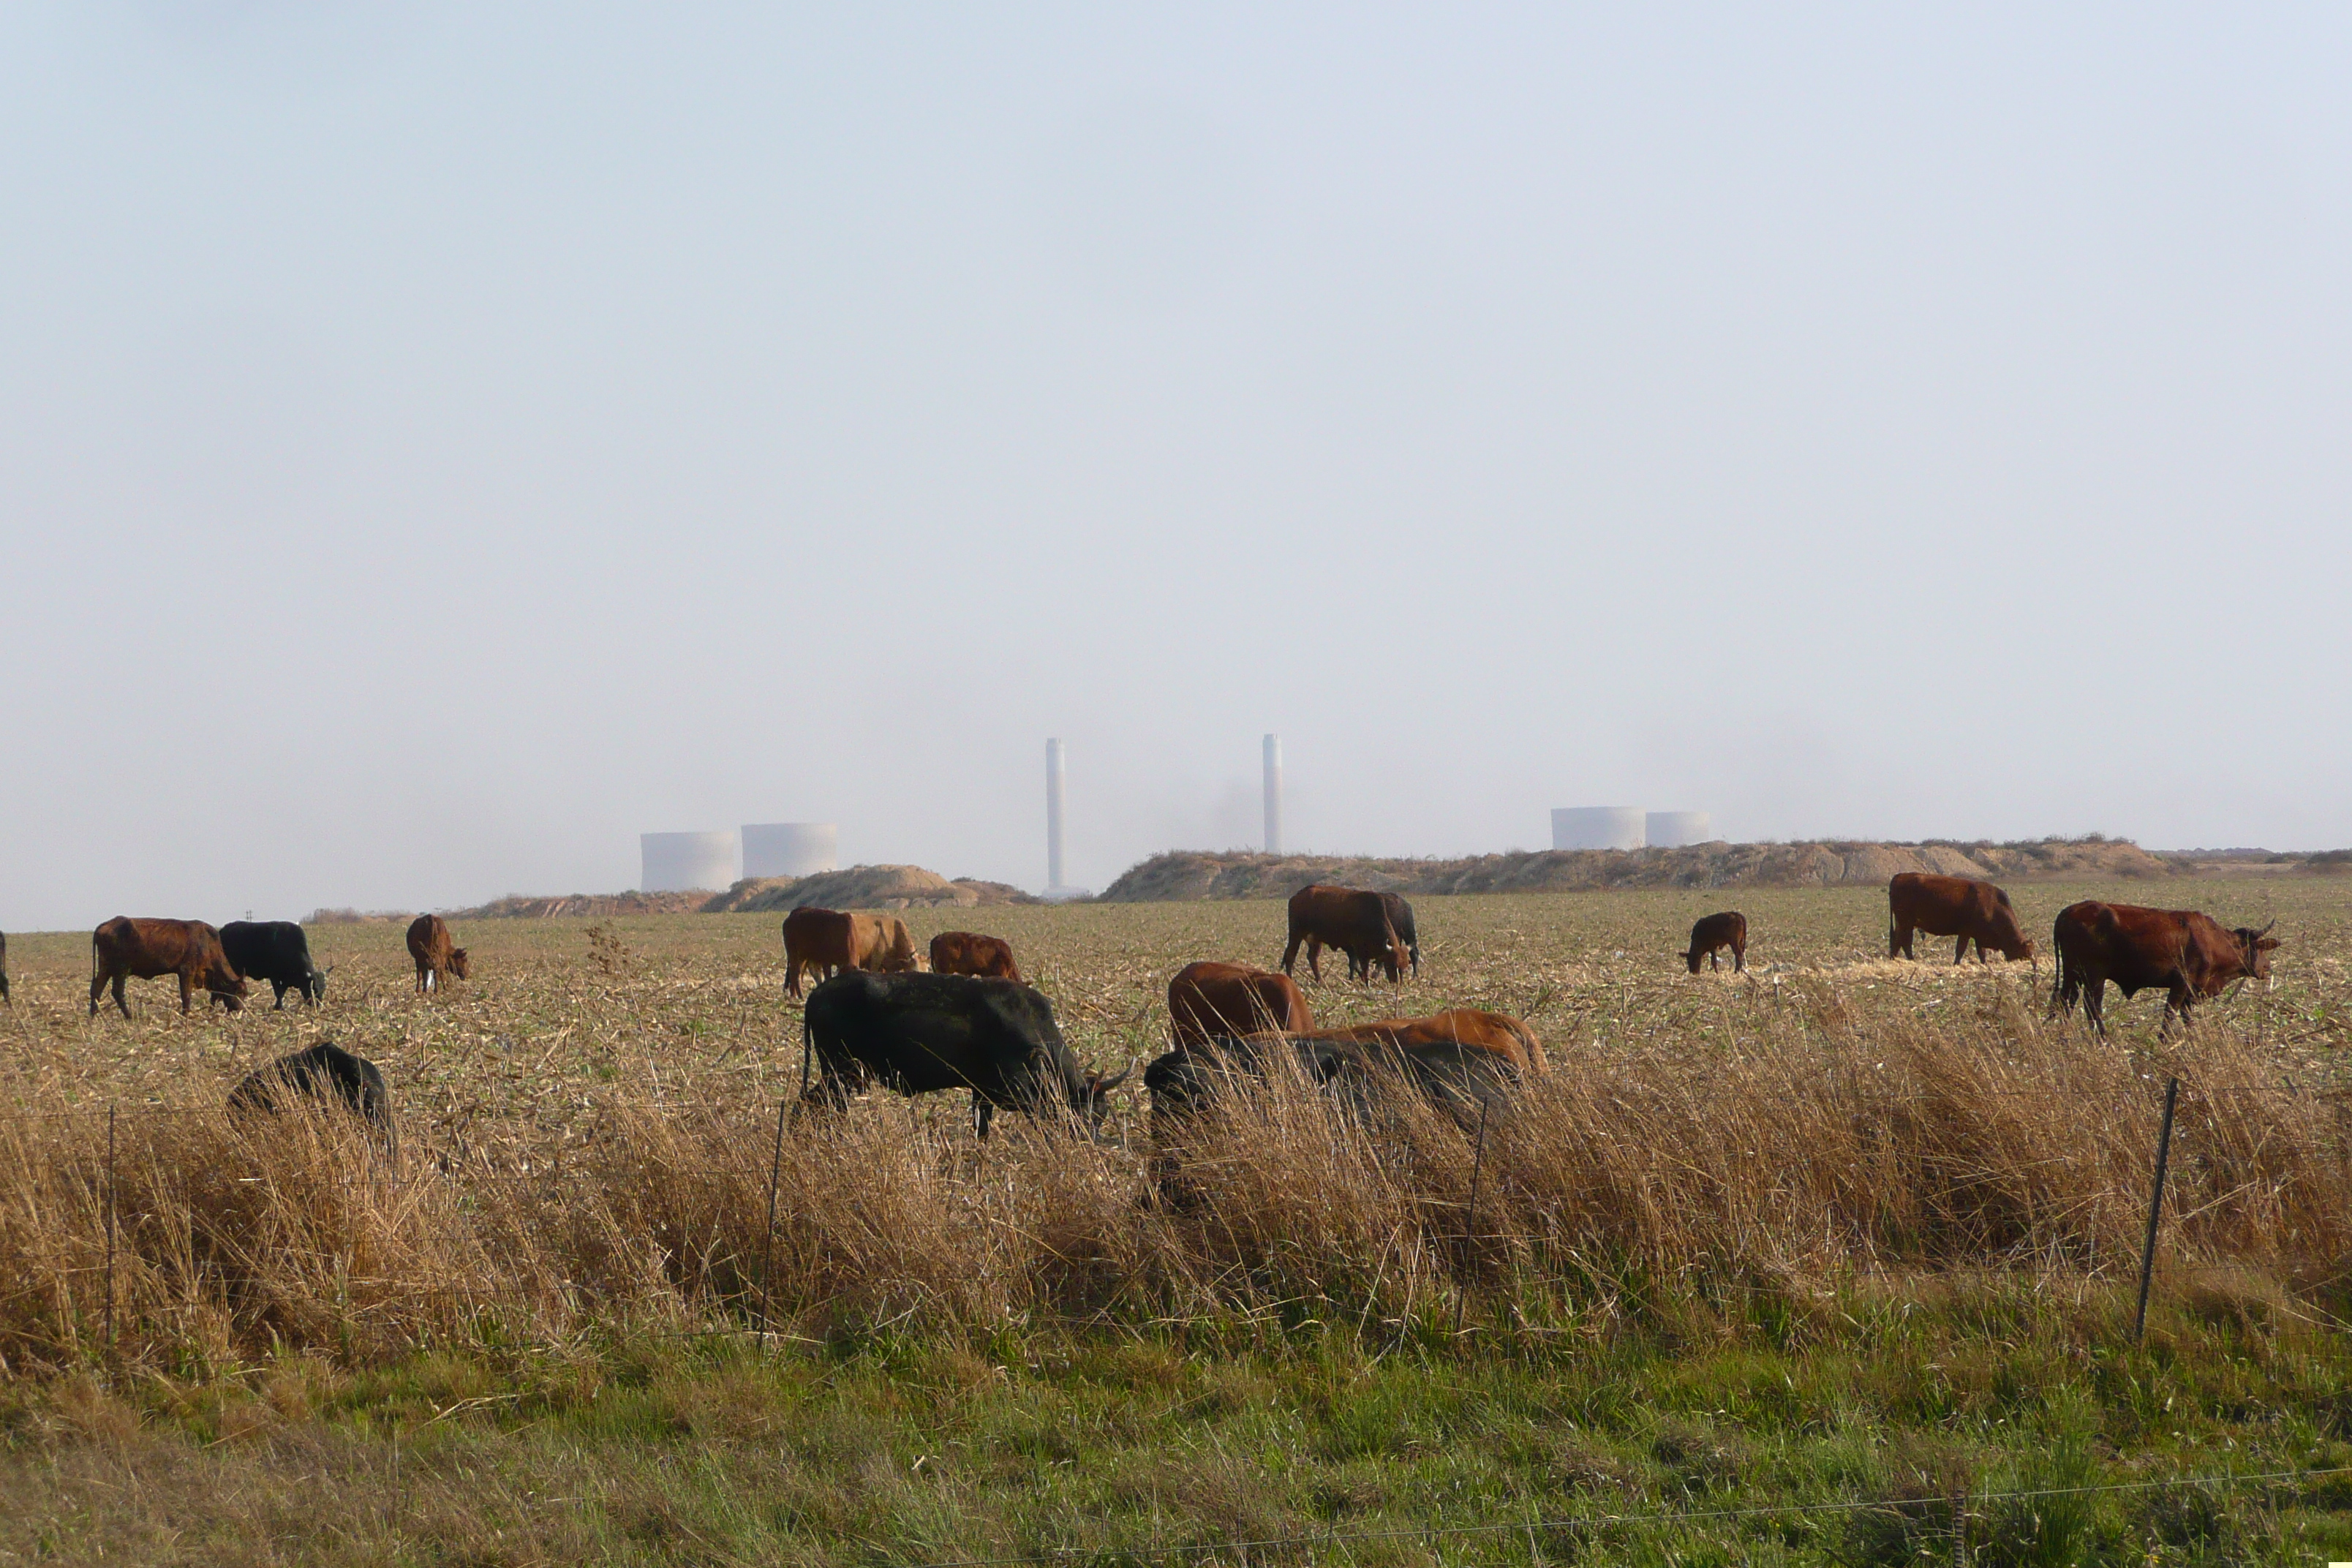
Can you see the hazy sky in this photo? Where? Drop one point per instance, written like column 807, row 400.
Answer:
column 439, row 442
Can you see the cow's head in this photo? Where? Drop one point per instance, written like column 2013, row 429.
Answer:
column 457, row 963
column 2018, row 949
column 1094, row 1094
column 2255, row 948
column 318, row 981
column 226, row 985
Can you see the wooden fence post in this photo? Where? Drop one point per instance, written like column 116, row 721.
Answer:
column 2155, row 1207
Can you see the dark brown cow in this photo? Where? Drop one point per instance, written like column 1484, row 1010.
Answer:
column 1714, row 933
column 437, row 955
column 2190, row 955
column 1208, row 1001
column 1973, row 910
column 145, row 949
column 828, row 941
column 968, row 953
column 1355, row 921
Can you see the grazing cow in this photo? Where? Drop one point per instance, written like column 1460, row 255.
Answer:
column 1714, row 933
column 3, row 970
column 325, row 1073
column 430, row 945
column 1401, row 922
column 1965, row 907
column 277, row 952
column 2190, row 955
column 828, row 942
column 916, row 1033
column 968, row 953
column 144, row 949
column 1209, row 1000
column 1503, row 1038
column 1350, row 918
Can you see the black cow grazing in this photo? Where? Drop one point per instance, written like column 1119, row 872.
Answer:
column 325, row 1073
column 1714, row 933
column 277, row 952
column 917, row 1032
column 1400, row 920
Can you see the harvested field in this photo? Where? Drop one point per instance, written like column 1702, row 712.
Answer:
column 588, row 1131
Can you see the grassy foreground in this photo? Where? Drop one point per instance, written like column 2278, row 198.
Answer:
column 1839, row 1232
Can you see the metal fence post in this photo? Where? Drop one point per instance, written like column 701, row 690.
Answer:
column 2155, row 1207
column 109, row 1229
column 768, row 1243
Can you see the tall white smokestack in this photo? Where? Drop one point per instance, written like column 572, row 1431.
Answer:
column 1055, row 780
column 1274, row 794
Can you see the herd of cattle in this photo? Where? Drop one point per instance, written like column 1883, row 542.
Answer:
column 972, row 1022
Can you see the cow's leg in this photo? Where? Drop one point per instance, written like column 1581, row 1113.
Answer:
column 97, row 990
column 1290, row 953
column 122, row 998
column 278, row 986
column 982, row 1111
column 1738, row 958
column 1315, row 958
column 187, row 992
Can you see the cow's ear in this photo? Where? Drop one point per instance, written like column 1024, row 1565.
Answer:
column 2266, row 943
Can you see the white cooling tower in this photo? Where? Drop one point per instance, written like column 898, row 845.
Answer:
column 789, row 848
column 1672, row 830
column 1597, row 827
column 684, row 862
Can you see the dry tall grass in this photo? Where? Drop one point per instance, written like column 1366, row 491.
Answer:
column 1807, row 1145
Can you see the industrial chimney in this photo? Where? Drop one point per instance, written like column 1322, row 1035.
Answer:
column 1054, row 781
column 1274, row 794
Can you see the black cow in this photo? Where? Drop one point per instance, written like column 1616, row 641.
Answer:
column 917, row 1032
column 277, row 952
column 326, row 1072
column 1401, row 918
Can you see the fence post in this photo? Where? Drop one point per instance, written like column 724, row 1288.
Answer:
column 2155, row 1207
column 768, row 1243
column 109, row 1230
column 1470, row 1220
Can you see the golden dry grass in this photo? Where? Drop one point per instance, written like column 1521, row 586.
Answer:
column 588, row 1134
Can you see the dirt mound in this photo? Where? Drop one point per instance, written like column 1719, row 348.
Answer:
column 1186, row 874
column 517, row 906
column 865, row 887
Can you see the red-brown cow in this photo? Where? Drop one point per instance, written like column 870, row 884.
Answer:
column 1356, row 922
column 1714, row 933
column 1212, row 1001
column 144, row 949
column 2190, row 955
column 1496, row 1037
column 1965, row 907
column 968, row 953
column 828, row 941
column 437, row 954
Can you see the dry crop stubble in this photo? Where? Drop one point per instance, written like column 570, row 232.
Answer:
column 587, row 1129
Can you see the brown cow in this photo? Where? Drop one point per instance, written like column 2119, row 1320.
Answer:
column 430, row 945
column 828, row 941
column 968, row 953
column 1714, row 933
column 1355, row 921
column 1212, row 1001
column 1965, row 907
column 2190, row 954
column 145, row 949
column 1496, row 1036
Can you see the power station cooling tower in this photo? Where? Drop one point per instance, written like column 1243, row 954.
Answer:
column 1597, row 827
column 685, row 862
column 789, row 848
column 1672, row 830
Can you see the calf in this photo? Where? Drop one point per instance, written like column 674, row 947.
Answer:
column 1714, row 933
column 144, row 949
column 968, row 953
column 436, row 956
column 277, row 952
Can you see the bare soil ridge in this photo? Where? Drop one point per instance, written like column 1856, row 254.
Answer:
column 857, row 888
column 1191, row 875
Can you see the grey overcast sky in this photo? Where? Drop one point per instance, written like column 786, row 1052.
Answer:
column 439, row 442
